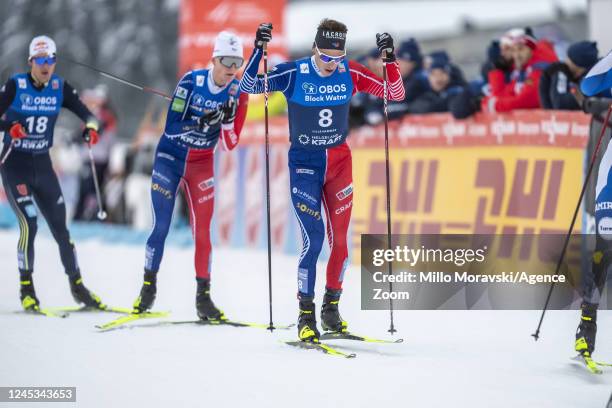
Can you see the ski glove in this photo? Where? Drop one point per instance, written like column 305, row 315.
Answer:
column 229, row 111
column 17, row 131
column 263, row 35
column 384, row 42
column 90, row 133
column 210, row 118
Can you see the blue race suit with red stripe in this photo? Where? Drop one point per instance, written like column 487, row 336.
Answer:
column 319, row 157
column 184, row 156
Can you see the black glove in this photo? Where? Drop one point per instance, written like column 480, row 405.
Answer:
column 263, row 35
column 229, row 111
column 384, row 42
column 210, row 118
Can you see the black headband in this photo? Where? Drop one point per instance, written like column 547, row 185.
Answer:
column 330, row 40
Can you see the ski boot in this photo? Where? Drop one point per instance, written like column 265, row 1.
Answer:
column 307, row 322
column 29, row 301
column 83, row 295
column 585, row 334
column 145, row 300
column 330, row 316
column 204, row 304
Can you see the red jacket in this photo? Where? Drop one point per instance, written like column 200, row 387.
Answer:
column 522, row 90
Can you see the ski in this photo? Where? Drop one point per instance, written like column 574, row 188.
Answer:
column 324, row 348
column 588, row 362
column 104, row 308
column 356, row 337
column 226, row 322
column 120, row 321
column 48, row 313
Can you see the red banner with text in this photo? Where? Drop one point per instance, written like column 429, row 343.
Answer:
column 201, row 20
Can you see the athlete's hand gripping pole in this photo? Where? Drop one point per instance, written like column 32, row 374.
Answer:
column 604, row 126
column 17, row 131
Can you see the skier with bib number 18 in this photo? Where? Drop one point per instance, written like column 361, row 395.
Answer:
column 30, row 104
column 318, row 89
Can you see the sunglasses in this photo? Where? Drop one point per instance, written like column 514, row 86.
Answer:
column 44, row 60
column 328, row 58
column 228, row 62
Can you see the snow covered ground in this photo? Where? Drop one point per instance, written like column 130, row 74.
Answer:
column 448, row 358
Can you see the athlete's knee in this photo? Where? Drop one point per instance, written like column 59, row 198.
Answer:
column 29, row 226
column 60, row 232
column 339, row 243
column 202, row 243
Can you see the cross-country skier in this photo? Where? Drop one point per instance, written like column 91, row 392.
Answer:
column 598, row 82
column 318, row 89
column 206, row 107
column 31, row 103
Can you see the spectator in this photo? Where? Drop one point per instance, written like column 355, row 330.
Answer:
column 443, row 87
column 559, row 84
column 530, row 58
column 441, row 55
column 499, row 57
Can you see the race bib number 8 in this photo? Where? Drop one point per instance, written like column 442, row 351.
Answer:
column 325, row 117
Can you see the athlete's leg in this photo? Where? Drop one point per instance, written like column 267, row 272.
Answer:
column 338, row 202
column 17, row 177
column 168, row 169
column 200, row 192
column 306, row 175
column 50, row 201
column 593, row 280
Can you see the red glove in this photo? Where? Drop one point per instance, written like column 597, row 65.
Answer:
column 90, row 136
column 17, row 131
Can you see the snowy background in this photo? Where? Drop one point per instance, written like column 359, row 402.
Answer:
column 448, row 359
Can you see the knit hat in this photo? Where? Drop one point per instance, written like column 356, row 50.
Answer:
column 583, row 53
column 440, row 63
column 511, row 35
column 227, row 45
column 410, row 51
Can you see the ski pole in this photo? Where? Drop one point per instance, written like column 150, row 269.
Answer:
column 536, row 335
column 267, row 138
column 388, row 190
column 101, row 213
column 8, row 152
column 121, row 80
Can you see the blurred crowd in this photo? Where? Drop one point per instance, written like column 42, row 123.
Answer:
column 519, row 72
